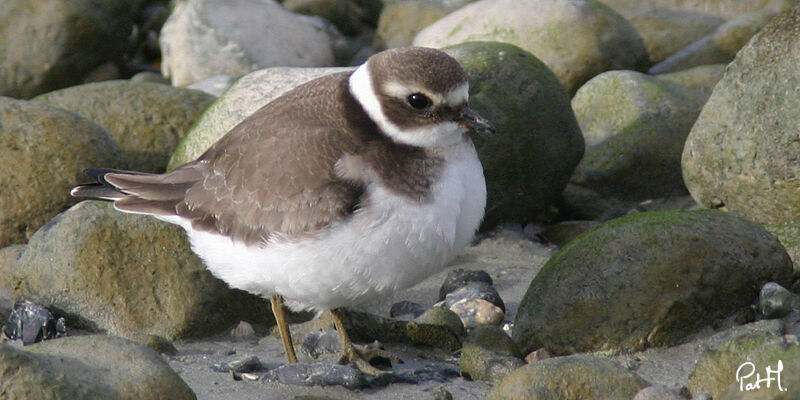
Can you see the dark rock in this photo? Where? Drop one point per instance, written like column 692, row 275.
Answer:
column 88, row 367
column 32, row 323
column 317, row 374
column 789, row 234
column 596, row 292
column 741, row 154
column 569, row 378
column 775, row 301
column 318, row 343
column 42, row 152
column 562, row 232
column 246, row 364
column 128, row 275
column 537, row 143
column 406, row 310
column 460, row 277
column 147, row 120
column 51, row 44
column 475, row 290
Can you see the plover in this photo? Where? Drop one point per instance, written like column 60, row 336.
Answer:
column 345, row 189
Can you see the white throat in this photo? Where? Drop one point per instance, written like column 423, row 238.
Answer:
column 442, row 134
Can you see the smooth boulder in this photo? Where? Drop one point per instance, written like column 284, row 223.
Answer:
column 597, row 292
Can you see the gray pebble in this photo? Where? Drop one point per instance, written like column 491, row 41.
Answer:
column 460, row 277
column 775, row 301
column 475, row 290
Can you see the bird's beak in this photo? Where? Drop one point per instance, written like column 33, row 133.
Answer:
column 474, row 122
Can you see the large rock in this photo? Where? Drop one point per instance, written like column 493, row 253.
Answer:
column 147, row 120
column 400, row 21
column 203, row 38
column 577, row 39
column 569, row 378
column 247, row 95
column 789, row 235
column 596, row 293
column 635, row 127
column 723, row 8
column 667, row 30
column 50, row 44
column 88, row 367
column 743, row 357
column 720, row 46
column 42, row 152
column 129, row 275
column 537, row 143
column 741, row 154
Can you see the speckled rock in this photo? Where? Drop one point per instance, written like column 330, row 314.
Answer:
column 537, row 143
column 719, row 47
column 247, row 95
column 775, row 301
column 51, row 44
column 716, row 374
column 147, row 120
column 128, row 275
column 635, row 127
column 723, row 8
column 569, row 378
column 577, row 39
column 88, row 367
column 667, row 30
column 595, row 293
column 400, row 21
column 8, row 255
column 203, row 38
column 741, row 154
column 489, row 354
column 42, row 152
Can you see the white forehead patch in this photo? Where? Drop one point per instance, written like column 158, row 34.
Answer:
column 459, row 95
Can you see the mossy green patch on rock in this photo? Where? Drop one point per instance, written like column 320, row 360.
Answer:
column 537, row 143
column 647, row 279
column 569, row 378
column 128, row 275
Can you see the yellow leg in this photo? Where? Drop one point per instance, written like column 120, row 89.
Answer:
column 349, row 353
column 280, row 318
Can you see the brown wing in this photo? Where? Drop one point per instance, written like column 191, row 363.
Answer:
column 273, row 174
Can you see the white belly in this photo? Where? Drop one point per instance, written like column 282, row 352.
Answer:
column 390, row 245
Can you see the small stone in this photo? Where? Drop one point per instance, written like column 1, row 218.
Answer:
column 460, row 277
column 775, row 301
column 318, row 343
column 243, row 330
column 476, row 290
column 537, row 355
column 242, row 365
column 32, row 323
column 442, row 316
column 477, row 312
column 317, row 374
column 406, row 310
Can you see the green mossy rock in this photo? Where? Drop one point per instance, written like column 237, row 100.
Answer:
column 42, row 152
column 129, row 275
column 87, row 368
column 647, row 279
column 147, row 120
column 569, row 378
column 537, row 143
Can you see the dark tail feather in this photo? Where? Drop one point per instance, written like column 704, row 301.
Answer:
column 138, row 192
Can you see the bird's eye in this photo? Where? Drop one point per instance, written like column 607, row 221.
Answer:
column 418, row 101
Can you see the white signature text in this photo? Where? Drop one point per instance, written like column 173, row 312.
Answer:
column 749, row 380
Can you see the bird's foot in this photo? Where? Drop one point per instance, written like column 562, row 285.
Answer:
column 365, row 358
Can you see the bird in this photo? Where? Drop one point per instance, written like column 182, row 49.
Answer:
column 343, row 190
